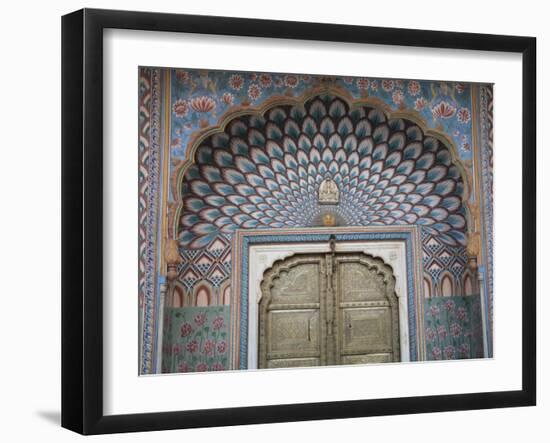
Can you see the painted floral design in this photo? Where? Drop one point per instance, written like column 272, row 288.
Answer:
column 414, row 88
column 201, row 367
column 192, row 346
column 363, row 84
column 443, row 110
column 236, row 82
column 453, row 327
column 182, row 75
column 463, row 115
column 180, row 108
column 387, row 85
column 228, row 89
column 228, row 98
column 254, row 91
column 203, row 104
column 420, row 103
column 218, row 323
column 449, row 352
column 398, row 97
column 199, row 341
column 266, row 80
column 200, row 318
column 291, row 81
column 186, row 329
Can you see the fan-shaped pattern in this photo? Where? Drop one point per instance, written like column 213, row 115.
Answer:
column 265, row 171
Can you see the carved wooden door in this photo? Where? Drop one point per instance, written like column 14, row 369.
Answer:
column 328, row 309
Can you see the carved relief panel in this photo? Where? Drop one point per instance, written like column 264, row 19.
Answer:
column 328, row 309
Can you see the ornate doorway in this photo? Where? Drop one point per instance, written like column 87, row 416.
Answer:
column 328, row 309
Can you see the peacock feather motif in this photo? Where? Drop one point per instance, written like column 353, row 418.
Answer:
column 264, row 171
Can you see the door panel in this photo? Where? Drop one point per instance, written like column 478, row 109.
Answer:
column 359, row 283
column 319, row 309
column 293, row 333
column 366, row 330
column 364, row 359
column 300, row 284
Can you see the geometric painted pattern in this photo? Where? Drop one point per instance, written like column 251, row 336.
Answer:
column 211, row 264
column 265, row 171
column 440, row 258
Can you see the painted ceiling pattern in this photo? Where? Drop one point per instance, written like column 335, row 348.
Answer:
column 264, row 171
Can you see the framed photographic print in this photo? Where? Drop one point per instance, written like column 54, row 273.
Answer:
column 293, row 221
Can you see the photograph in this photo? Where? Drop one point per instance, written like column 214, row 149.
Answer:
column 291, row 220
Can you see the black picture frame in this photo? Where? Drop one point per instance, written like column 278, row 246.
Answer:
column 82, row 215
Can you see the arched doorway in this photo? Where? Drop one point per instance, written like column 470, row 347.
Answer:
column 328, row 309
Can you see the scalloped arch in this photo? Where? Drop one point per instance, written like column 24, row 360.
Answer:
column 260, row 167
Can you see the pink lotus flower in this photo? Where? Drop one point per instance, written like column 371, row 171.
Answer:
column 217, row 323
column 266, row 80
column 442, row 332
column 387, row 85
column 192, row 346
column 182, row 75
column 436, row 353
column 456, row 330
column 180, row 108
column 236, row 82
column 460, row 87
column 186, row 329
column 203, row 104
column 430, row 334
column 399, row 84
column 200, row 318
column 466, row 146
column 254, row 91
column 443, row 110
column 420, row 103
column 398, row 97
column 183, row 367
column 449, row 305
column 363, row 83
column 208, row 347
column 201, row 367
column 222, row 346
column 374, row 85
column 463, row 115
column 217, row 367
column 449, row 352
column 461, row 314
column 413, row 87
column 291, row 81
column 228, row 98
